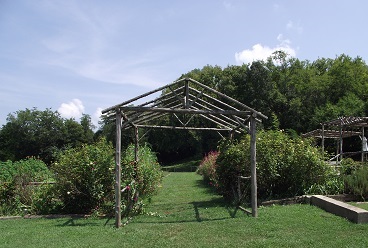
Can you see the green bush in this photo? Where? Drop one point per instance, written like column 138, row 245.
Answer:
column 16, row 191
column 139, row 180
column 357, row 182
column 334, row 184
column 31, row 167
column 84, row 177
column 285, row 167
column 207, row 168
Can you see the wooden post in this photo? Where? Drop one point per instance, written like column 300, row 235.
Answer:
column 323, row 140
column 136, row 147
column 341, row 143
column 362, row 144
column 118, row 170
column 186, row 94
column 253, row 163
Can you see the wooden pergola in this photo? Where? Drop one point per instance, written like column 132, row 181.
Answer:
column 183, row 100
column 340, row 128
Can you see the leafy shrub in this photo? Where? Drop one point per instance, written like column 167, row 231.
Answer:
column 357, row 182
column 139, row 180
column 207, row 168
column 45, row 200
column 84, row 177
column 34, row 168
column 16, row 192
column 285, row 167
column 333, row 185
column 335, row 182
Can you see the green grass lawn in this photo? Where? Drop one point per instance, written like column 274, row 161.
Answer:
column 186, row 165
column 363, row 205
column 186, row 213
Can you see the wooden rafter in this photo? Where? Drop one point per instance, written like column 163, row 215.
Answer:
column 180, row 100
column 340, row 128
column 185, row 97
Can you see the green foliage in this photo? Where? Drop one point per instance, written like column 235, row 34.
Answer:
column 16, row 192
column 186, row 214
column 357, row 182
column 33, row 132
column 33, row 168
column 84, row 177
column 207, row 168
column 285, row 166
column 351, row 178
column 333, row 185
column 139, row 180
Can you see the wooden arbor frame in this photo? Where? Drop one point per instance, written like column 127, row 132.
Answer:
column 340, row 128
column 182, row 98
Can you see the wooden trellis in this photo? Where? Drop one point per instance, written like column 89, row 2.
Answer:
column 340, row 128
column 183, row 100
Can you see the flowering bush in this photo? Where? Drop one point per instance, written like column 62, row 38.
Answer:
column 207, row 168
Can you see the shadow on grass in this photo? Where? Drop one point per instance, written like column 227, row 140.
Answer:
column 198, row 215
column 78, row 222
column 200, row 183
column 204, row 211
column 85, row 221
column 231, row 207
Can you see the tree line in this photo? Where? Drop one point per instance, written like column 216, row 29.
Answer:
column 295, row 94
column 42, row 134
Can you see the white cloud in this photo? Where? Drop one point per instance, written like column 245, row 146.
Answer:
column 96, row 117
column 73, row 109
column 294, row 26
column 261, row 52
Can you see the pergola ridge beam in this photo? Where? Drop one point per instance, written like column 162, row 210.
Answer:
column 184, row 128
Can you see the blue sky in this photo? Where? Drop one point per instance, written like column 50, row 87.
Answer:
column 79, row 56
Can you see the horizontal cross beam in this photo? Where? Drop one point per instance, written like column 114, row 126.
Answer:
column 187, row 111
column 184, row 128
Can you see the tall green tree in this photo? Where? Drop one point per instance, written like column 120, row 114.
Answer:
column 33, row 132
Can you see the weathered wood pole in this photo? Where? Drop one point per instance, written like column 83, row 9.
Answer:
column 363, row 148
column 323, row 140
column 253, row 163
column 136, row 145
column 186, row 102
column 341, row 143
column 118, row 170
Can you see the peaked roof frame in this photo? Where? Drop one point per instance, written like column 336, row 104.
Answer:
column 349, row 125
column 181, row 99
column 340, row 128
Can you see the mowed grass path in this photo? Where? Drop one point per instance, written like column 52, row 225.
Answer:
column 186, row 213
